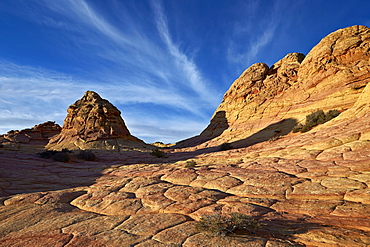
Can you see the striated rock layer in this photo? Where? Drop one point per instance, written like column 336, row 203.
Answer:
column 267, row 102
column 93, row 123
column 40, row 134
column 305, row 189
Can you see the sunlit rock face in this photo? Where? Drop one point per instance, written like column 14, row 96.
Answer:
column 268, row 101
column 306, row 189
column 93, row 123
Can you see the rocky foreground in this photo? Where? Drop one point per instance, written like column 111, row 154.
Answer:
column 305, row 189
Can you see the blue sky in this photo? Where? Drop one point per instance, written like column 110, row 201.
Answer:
column 164, row 63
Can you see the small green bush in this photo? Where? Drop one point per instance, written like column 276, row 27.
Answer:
column 220, row 225
column 331, row 114
column 158, row 153
column 244, row 222
column 214, row 224
column 314, row 119
column 190, row 164
column 297, row 128
column 86, row 155
column 226, row 146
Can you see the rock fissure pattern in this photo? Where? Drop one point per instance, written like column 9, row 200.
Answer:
column 306, row 189
column 166, row 196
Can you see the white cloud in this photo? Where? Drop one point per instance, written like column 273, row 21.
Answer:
column 131, row 48
column 256, row 36
column 30, row 96
column 190, row 69
column 23, row 82
column 131, row 67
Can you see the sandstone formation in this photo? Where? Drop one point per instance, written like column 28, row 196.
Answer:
column 38, row 135
column 305, row 189
column 266, row 102
column 93, row 123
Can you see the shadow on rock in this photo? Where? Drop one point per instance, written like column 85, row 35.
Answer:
column 215, row 128
column 286, row 229
column 28, row 173
column 271, row 132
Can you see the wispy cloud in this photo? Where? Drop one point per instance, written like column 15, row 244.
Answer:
column 131, row 67
column 246, row 57
column 256, row 36
column 190, row 70
column 30, row 96
column 153, row 63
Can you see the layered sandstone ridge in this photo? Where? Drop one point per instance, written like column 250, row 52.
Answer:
column 38, row 135
column 306, row 189
column 265, row 102
column 93, row 123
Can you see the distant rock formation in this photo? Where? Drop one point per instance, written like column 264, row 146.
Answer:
column 162, row 145
column 93, row 123
column 38, row 135
column 265, row 102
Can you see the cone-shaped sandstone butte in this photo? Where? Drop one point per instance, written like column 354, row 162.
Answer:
column 93, row 123
column 268, row 101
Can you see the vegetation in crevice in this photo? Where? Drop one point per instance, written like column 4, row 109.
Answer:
column 158, row 153
column 314, row 119
column 221, row 225
column 190, row 164
column 86, row 155
column 61, row 156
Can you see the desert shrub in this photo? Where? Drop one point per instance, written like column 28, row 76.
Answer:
column 297, row 128
column 49, row 154
column 158, row 153
column 61, row 157
column 220, row 225
column 314, row 119
column 244, row 222
column 331, row 114
column 215, row 224
column 226, row 146
column 86, row 155
column 190, row 164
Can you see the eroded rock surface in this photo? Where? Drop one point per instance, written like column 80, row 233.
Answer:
column 118, row 201
column 305, row 189
column 93, row 123
column 38, row 135
column 265, row 103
